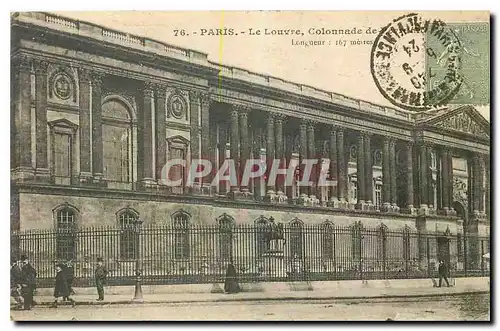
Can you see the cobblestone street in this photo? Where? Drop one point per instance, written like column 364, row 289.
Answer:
column 466, row 307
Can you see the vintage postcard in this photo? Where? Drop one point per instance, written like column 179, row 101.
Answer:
column 259, row 165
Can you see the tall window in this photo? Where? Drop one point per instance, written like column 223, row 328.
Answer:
column 354, row 190
column 62, row 158
column 226, row 225
column 66, row 234
column 296, row 244
column 260, row 236
column 129, row 237
column 181, row 234
column 378, row 195
column 177, row 150
column 62, row 144
column 327, row 241
column 117, row 143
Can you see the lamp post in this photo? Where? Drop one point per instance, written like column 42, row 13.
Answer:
column 138, row 267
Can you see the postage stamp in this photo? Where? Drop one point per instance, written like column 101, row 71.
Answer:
column 399, row 62
column 472, row 56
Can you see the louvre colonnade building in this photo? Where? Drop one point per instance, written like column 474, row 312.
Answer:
column 96, row 113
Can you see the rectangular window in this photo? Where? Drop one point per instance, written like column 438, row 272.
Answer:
column 177, row 170
column 378, row 195
column 354, row 191
column 62, row 158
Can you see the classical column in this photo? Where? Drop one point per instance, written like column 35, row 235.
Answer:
column 445, row 177
column 207, row 144
column 481, row 184
column 160, row 128
column 341, row 170
column 278, row 134
column 368, row 170
column 42, row 168
column 85, row 125
column 477, row 182
column 271, row 189
column 409, row 178
column 145, row 134
column 312, row 155
column 194, row 133
column 97, row 148
column 303, row 156
column 332, row 154
column 223, row 135
column 243, row 113
column 361, row 176
column 386, row 175
column 449, row 169
column 393, row 175
column 487, row 187
column 423, row 180
column 234, row 148
column 21, row 116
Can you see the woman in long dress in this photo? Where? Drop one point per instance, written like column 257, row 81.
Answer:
column 231, row 281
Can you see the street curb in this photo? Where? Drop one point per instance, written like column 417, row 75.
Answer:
column 288, row 298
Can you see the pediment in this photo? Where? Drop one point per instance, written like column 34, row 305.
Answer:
column 463, row 120
column 63, row 123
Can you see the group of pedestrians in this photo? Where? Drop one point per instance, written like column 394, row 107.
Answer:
column 23, row 282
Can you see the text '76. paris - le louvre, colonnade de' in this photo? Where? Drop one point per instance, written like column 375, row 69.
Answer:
column 120, row 106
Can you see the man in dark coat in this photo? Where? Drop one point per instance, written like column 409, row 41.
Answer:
column 69, row 270
column 28, row 282
column 15, row 283
column 443, row 273
column 61, row 288
column 100, row 278
column 231, row 281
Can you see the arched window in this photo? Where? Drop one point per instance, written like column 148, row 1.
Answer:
column 296, row 238
column 65, row 232
column 117, row 143
column 181, row 219
column 129, row 235
column 261, row 244
column 327, row 241
column 226, row 226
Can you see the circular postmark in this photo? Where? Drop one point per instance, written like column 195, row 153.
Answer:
column 415, row 63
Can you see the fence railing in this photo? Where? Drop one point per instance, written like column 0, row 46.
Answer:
column 200, row 254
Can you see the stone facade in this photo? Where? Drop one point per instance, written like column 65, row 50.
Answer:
column 74, row 107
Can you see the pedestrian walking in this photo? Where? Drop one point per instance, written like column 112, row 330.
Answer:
column 231, row 282
column 100, row 278
column 443, row 273
column 70, row 275
column 28, row 282
column 61, row 288
column 15, row 283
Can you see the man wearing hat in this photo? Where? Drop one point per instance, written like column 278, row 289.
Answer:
column 15, row 283
column 100, row 278
column 28, row 282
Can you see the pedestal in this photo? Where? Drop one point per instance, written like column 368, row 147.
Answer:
column 42, row 175
column 274, row 259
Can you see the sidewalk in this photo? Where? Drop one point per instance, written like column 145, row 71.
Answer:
column 336, row 294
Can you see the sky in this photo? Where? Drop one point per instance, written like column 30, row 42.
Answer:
column 338, row 66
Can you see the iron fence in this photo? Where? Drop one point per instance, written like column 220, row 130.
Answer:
column 200, row 254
